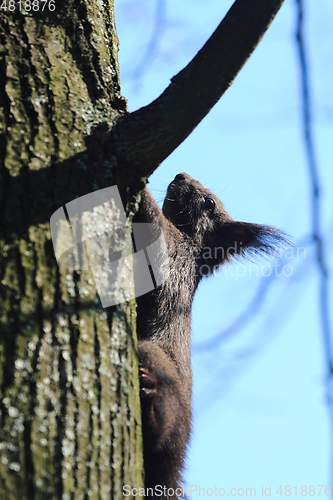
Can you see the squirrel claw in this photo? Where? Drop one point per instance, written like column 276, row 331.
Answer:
column 148, row 383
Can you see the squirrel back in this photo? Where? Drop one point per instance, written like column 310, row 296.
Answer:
column 200, row 236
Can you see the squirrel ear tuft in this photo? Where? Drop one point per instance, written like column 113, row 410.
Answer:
column 245, row 239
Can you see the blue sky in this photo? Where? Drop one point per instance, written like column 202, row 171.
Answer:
column 260, row 416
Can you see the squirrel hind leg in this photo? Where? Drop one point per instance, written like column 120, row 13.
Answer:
column 166, row 417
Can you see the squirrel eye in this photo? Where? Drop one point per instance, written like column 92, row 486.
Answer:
column 210, row 204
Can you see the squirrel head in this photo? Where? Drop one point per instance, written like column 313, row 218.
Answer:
column 199, row 214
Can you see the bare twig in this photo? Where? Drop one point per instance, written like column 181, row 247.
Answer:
column 250, row 311
column 234, row 366
column 317, row 233
column 152, row 47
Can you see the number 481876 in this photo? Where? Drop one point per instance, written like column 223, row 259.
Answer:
column 312, row 490
column 27, row 5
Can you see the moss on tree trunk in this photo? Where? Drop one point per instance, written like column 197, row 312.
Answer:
column 70, row 414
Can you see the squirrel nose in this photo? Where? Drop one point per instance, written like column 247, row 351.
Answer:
column 180, row 177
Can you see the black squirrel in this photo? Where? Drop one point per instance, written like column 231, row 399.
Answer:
column 200, row 236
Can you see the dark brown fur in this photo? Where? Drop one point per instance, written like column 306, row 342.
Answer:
column 200, row 236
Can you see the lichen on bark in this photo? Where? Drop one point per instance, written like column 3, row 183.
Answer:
column 70, row 414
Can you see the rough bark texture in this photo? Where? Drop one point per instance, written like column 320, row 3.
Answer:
column 70, row 413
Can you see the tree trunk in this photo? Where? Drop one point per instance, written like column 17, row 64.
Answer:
column 70, row 416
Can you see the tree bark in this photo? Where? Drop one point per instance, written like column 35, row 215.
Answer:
column 69, row 411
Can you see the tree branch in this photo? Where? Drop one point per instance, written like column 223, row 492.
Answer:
column 316, row 202
column 146, row 137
